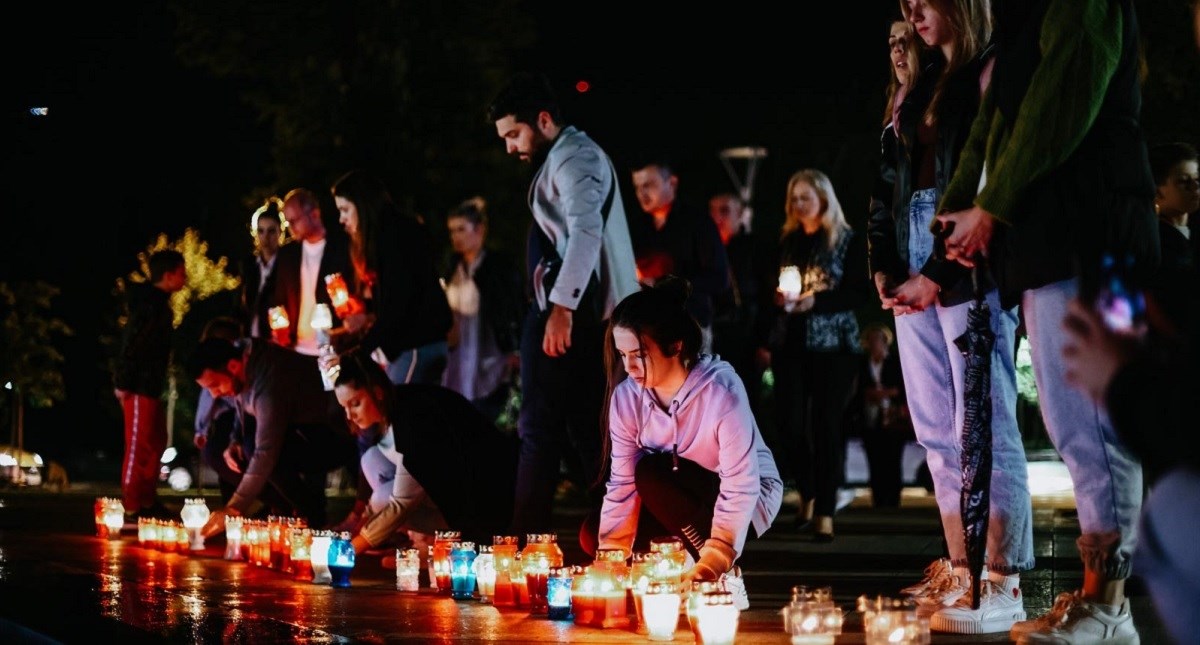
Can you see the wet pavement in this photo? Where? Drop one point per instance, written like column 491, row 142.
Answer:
column 58, row 582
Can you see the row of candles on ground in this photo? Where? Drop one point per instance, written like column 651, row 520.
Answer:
column 648, row 594
column 812, row 618
column 282, row 543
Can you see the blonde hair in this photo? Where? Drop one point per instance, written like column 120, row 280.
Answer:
column 911, row 54
column 833, row 219
column 970, row 23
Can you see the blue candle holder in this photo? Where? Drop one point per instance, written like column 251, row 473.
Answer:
column 341, row 560
column 558, row 592
column 462, row 571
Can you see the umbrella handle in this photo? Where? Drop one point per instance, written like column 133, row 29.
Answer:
column 978, row 283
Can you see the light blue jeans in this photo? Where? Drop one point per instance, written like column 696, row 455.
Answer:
column 933, row 369
column 1106, row 476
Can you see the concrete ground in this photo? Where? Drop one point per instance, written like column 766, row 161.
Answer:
column 60, row 583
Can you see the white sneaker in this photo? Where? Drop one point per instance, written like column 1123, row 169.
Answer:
column 736, row 585
column 1075, row 620
column 1000, row 607
column 940, row 588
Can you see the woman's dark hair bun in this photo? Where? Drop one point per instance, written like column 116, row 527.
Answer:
column 678, row 289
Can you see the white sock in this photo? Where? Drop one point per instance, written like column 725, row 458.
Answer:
column 1008, row 583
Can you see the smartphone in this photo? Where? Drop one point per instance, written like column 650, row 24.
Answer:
column 1119, row 301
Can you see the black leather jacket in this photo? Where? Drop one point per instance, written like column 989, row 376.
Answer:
column 887, row 226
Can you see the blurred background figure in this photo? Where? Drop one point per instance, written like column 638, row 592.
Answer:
column 267, row 229
column 810, row 340
column 735, row 308
column 670, row 238
column 485, row 289
column 1176, row 196
column 879, row 415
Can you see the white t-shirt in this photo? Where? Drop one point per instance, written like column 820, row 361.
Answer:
column 310, row 268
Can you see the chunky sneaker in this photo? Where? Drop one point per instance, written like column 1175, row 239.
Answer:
column 1075, row 620
column 940, row 588
column 1000, row 607
column 736, row 585
column 935, row 574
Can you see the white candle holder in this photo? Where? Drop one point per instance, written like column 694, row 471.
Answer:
column 791, row 285
column 194, row 515
column 660, row 610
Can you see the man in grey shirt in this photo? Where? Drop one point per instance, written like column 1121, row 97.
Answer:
column 584, row 267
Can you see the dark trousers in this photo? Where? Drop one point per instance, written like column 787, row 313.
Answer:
column 296, row 487
column 678, row 503
column 812, row 391
column 884, row 448
column 561, row 402
column 216, row 440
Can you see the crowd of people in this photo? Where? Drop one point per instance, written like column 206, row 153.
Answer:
column 1013, row 180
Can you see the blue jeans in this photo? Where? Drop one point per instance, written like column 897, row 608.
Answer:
column 1106, row 476
column 423, row 364
column 933, row 369
column 1167, row 559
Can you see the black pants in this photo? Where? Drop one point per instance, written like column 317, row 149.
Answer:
column 296, row 487
column 561, row 402
column 678, row 503
column 812, row 391
column 884, row 448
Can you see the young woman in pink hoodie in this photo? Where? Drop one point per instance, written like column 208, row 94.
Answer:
column 687, row 458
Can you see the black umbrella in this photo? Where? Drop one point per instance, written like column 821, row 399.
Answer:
column 976, row 344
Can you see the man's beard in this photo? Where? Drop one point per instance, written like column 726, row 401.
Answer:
column 541, row 149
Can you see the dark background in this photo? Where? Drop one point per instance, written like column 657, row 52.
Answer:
column 169, row 115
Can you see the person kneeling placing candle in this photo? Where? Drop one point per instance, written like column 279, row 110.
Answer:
column 687, row 456
column 453, row 467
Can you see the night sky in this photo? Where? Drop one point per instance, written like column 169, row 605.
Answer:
column 136, row 144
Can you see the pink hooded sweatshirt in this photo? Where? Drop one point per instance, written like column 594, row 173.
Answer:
column 709, row 422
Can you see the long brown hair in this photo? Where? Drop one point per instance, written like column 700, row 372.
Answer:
column 970, row 23
column 660, row 314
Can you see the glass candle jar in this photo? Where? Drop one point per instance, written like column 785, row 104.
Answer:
column 319, row 556
column 504, row 553
column 600, row 598
column 114, row 518
column 541, row 552
column 485, row 573
column 695, row 598
column 558, row 593
column 641, row 575
column 98, row 510
column 716, row 618
column 674, row 559
column 301, row 555
column 194, row 515
column 520, row 583
column 408, row 570
column 462, row 570
column 812, row 618
column 233, row 537
column 660, row 610
column 341, row 559
column 439, row 559
column 887, row 621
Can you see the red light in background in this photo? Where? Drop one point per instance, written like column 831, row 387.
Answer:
column 582, row 86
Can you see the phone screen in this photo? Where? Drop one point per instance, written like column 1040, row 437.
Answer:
column 1120, row 304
